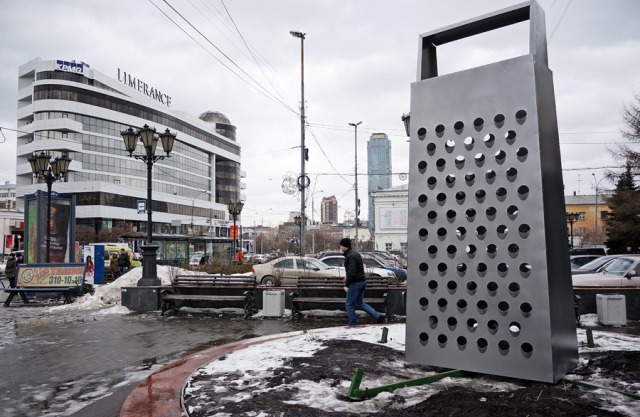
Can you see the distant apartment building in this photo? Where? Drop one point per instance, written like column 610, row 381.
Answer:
column 7, row 196
column 329, row 210
column 378, row 169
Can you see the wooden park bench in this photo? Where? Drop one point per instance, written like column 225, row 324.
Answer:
column 330, row 290
column 206, row 290
column 64, row 279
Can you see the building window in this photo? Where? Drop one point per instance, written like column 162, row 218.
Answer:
column 403, row 247
column 581, row 231
column 582, row 215
column 604, row 215
column 388, row 247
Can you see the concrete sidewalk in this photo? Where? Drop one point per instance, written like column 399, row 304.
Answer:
column 160, row 394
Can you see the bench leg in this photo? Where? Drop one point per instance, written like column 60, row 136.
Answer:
column 249, row 306
column 295, row 311
column 9, row 298
column 166, row 305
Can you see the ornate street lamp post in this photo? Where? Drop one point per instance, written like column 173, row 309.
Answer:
column 571, row 219
column 234, row 211
column 149, row 141
column 49, row 172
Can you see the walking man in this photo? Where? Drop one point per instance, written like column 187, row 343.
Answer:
column 10, row 270
column 355, row 282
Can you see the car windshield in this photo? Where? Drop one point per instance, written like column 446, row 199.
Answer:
column 314, row 263
column 619, row 266
column 595, row 264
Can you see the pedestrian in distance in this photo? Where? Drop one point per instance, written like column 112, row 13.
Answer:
column 240, row 257
column 355, row 283
column 113, row 266
column 20, row 258
column 90, row 268
column 124, row 263
column 10, row 270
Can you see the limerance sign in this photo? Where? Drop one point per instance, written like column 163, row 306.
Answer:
column 144, row 88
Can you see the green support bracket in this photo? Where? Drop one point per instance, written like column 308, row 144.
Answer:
column 385, row 333
column 356, row 394
column 355, row 382
column 590, row 338
column 591, row 386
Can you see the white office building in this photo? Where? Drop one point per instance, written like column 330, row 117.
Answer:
column 66, row 107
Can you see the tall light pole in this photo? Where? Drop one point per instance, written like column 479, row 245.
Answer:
column 261, row 233
column 49, row 171
column 303, row 181
column 147, row 136
column 235, row 208
column 595, row 240
column 355, row 125
column 313, row 222
column 193, row 202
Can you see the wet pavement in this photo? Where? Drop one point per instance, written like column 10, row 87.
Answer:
column 83, row 363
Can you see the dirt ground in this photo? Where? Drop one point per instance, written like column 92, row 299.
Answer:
column 338, row 360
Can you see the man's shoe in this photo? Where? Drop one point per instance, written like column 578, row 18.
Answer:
column 380, row 319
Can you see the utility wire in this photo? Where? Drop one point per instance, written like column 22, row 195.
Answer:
column 560, row 20
column 258, row 87
column 251, row 52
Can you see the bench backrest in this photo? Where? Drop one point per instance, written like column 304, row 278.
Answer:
column 330, row 282
column 214, row 280
column 50, row 275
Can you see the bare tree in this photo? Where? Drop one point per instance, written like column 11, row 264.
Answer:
column 85, row 234
column 110, row 235
column 624, row 154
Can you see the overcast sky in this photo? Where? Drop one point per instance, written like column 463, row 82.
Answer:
column 360, row 59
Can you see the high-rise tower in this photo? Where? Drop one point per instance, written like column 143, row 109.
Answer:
column 378, row 168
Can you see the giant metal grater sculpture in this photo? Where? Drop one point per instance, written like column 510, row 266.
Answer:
column 489, row 286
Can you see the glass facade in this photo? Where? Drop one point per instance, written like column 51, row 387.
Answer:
column 378, row 168
column 192, row 168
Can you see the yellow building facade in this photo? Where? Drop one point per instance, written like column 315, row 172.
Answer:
column 588, row 228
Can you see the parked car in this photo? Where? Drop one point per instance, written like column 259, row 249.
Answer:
column 259, row 258
column 371, row 260
column 596, row 265
column 196, row 258
column 3, row 266
column 587, row 251
column 285, row 271
column 622, row 272
column 577, row 261
column 337, row 261
column 387, row 259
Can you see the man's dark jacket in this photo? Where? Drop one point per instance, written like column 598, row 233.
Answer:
column 354, row 266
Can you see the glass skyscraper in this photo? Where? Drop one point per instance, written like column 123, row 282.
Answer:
column 378, row 168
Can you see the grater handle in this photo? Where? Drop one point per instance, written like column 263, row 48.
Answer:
column 531, row 10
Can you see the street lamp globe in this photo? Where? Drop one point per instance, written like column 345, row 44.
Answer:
column 130, row 138
column 167, row 139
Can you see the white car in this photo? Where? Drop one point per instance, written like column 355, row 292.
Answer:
column 337, row 261
column 285, row 271
column 622, row 272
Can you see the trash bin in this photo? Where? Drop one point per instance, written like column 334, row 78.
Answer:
column 612, row 309
column 273, row 303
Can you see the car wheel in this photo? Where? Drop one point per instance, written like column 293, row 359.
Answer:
column 268, row 281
